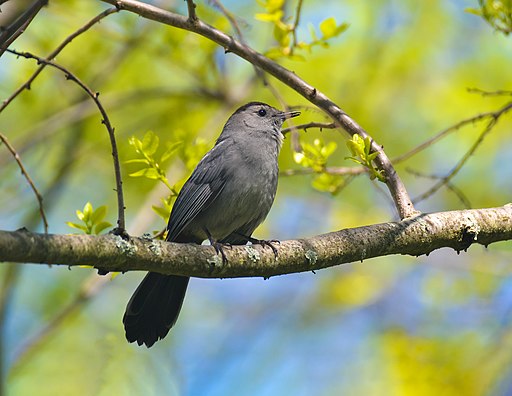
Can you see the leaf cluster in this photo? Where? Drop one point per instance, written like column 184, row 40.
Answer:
column 152, row 164
column 285, row 31
column 362, row 154
column 151, row 167
column 91, row 219
column 497, row 13
column 315, row 156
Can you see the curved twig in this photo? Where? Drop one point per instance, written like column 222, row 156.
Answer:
column 55, row 52
column 39, row 197
column 105, row 121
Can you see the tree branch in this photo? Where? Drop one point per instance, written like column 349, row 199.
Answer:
column 400, row 196
column 414, row 236
column 121, row 225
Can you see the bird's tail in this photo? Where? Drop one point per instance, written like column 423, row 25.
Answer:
column 154, row 307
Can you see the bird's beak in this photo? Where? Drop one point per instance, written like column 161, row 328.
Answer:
column 289, row 114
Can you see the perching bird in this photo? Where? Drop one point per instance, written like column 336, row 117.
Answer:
column 227, row 196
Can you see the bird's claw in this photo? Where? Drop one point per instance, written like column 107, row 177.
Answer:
column 219, row 248
column 270, row 245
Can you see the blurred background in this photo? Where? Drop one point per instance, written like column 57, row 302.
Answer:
column 396, row 325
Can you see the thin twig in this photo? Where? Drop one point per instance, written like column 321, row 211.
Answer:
column 230, row 17
column 295, row 26
column 16, row 29
column 499, row 92
column 321, row 125
column 105, row 121
column 39, row 197
column 191, row 11
column 450, row 129
column 449, row 185
column 55, row 52
column 331, row 170
column 443, row 181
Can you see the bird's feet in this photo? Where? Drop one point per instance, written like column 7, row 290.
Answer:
column 219, row 247
column 270, row 243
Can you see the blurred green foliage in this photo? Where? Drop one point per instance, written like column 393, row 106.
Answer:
column 394, row 326
column 285, row 31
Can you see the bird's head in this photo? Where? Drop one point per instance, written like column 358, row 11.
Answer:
column 257, row 119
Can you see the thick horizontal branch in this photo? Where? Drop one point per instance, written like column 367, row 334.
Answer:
column 414, row 236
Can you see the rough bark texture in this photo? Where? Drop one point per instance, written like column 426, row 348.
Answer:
column 414, row 236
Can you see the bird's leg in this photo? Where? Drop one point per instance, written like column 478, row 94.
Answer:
column 219, row 247
column 270, row 243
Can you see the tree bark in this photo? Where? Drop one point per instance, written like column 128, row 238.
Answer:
column 414, row 236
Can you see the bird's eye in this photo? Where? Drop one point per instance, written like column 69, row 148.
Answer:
column 262, row 112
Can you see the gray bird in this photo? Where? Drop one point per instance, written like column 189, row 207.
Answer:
column 227, row 196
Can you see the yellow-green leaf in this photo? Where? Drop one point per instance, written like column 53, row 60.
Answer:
column 150, row 143
column 328, row 27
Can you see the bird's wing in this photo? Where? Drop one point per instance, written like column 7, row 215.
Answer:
column 199, row 191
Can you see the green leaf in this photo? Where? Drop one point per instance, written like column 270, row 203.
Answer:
column 77, row 226
column 356, row 160
column 328, row 183
column 329, row 149
column 272, row 6
column 282, row 34
column 356, row 145
column 275, row 53
column 372, row 156
column 87, row 213
column 328, row 27
column 98, row 214
column 137, row 161
column 272, row 17
column 136, row 143
column 150, row 143
column 79, row 214
column 150, row 173
column 162, row 212
column 367, row 146
column 101, row 226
